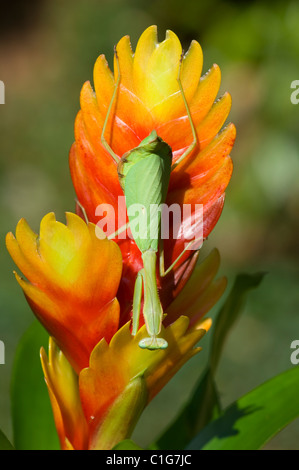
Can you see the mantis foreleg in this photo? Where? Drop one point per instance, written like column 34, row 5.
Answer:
column 120, row 230
column 103, row 140
column 195, row 140
column 83, row 211
column 162, row 271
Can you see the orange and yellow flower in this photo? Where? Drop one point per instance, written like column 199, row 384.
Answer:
column 73, row 280
column 80, row 287
column 149, row 98
column 102, row 406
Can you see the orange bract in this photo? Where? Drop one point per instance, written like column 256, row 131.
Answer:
column 73, row 280
column 149, row 98
column 88, row 410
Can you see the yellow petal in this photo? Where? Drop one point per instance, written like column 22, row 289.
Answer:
column 172, row 106
column 126, row 62
column 205, row 93
column 103, row 83
column 207, row 300
column 27, row 241
column 214, row 120
column 35, row 295
column 201, row 278
column 113, row 366
column 146, row 45
column 63, row 388
column 177, row 132
column 79, row 229
column 191, row 69
column 21, row 260
column 59, row 250
column 162, row 72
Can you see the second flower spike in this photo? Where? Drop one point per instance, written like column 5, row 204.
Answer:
column 72, row 281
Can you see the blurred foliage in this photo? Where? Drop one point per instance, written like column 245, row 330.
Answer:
column 47, row 51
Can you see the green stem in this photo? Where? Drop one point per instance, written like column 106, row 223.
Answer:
column 122, row 417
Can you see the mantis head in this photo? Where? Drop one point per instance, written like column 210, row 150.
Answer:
column 151, row 145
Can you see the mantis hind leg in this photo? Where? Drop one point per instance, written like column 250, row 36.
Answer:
column 137, row 301
column 162, row 271
column 116, row 87
column 195, row 140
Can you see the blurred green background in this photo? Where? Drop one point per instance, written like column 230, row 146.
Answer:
column 47, row 51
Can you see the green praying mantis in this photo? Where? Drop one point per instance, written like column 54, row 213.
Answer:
column 144, row 174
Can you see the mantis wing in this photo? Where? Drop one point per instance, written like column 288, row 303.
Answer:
column 146, row 188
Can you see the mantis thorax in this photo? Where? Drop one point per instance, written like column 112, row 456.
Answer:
column 152, row 144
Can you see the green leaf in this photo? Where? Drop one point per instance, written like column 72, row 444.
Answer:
column 127, row 444
column 255, row 418
column 182, row 430
column 33, row 423
column 204, row 405
column 230, row 312
column 4, row 442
